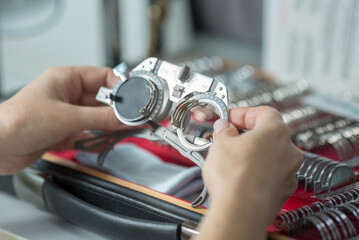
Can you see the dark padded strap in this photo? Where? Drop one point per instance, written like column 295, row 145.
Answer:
column 100, row 193
column 110, row 224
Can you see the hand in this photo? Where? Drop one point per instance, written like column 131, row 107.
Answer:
column 51, row 113
column 248, row 176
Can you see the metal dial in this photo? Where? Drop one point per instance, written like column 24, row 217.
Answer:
column 135, row 99
column 180, row 114
column 139, row 98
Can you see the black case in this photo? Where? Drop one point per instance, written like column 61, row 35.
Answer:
column 104, row 207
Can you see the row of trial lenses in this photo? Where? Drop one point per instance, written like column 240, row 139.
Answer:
column 281, row 97
column 310, row 139
column 287, row 221
column 320, row 174
column 299, row 114
column 332, row 224
column 304, row 117
column 339, row 222
column 345, row 142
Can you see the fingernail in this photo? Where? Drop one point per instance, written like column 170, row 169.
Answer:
column 219, row 125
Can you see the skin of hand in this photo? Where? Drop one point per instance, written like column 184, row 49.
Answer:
column 51, row 113
column 248, row 176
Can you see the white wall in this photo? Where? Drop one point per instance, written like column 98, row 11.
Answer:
column 76, row 39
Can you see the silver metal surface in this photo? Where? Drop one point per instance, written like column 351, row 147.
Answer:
column 330, row 226
column 148, row 64
column 28, row 185
column 309, row 175
column 120, row 70
column 194, row 83
column 188, row 230
column 104, row 95
column 221, row 92
column 322, row 174
column 350, row 210
column 172, row 139
column 182, row 110
column 341, row 174
column 319, row 186
column 321, row 226
column 338, row 220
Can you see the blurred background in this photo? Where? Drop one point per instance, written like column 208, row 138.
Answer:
column 299, row 56
column 315, row 40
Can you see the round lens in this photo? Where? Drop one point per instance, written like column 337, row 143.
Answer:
column 135, row 98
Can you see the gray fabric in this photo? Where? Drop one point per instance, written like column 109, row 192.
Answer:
column 142, row 167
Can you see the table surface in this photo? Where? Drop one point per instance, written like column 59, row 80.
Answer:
column 26, row 220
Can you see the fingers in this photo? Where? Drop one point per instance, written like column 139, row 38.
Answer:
column 102, row 118
column 92, row 78
column 290, row 187
column 89, row 99
column 219, row 125
column 224, row 129
column 77, row 85
column 84, row 79
column 297, row 158
column 248, row 118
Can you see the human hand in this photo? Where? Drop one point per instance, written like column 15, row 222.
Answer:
column 51, row 113
column 248, row 176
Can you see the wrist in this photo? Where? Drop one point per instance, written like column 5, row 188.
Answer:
column 246, row 208
column 9, row 125
column 250, row 196
column 231, row 216
column 3, row 126
column 243, row 198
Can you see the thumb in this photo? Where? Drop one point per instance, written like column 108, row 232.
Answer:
column 223, row 127
column 102, row 118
